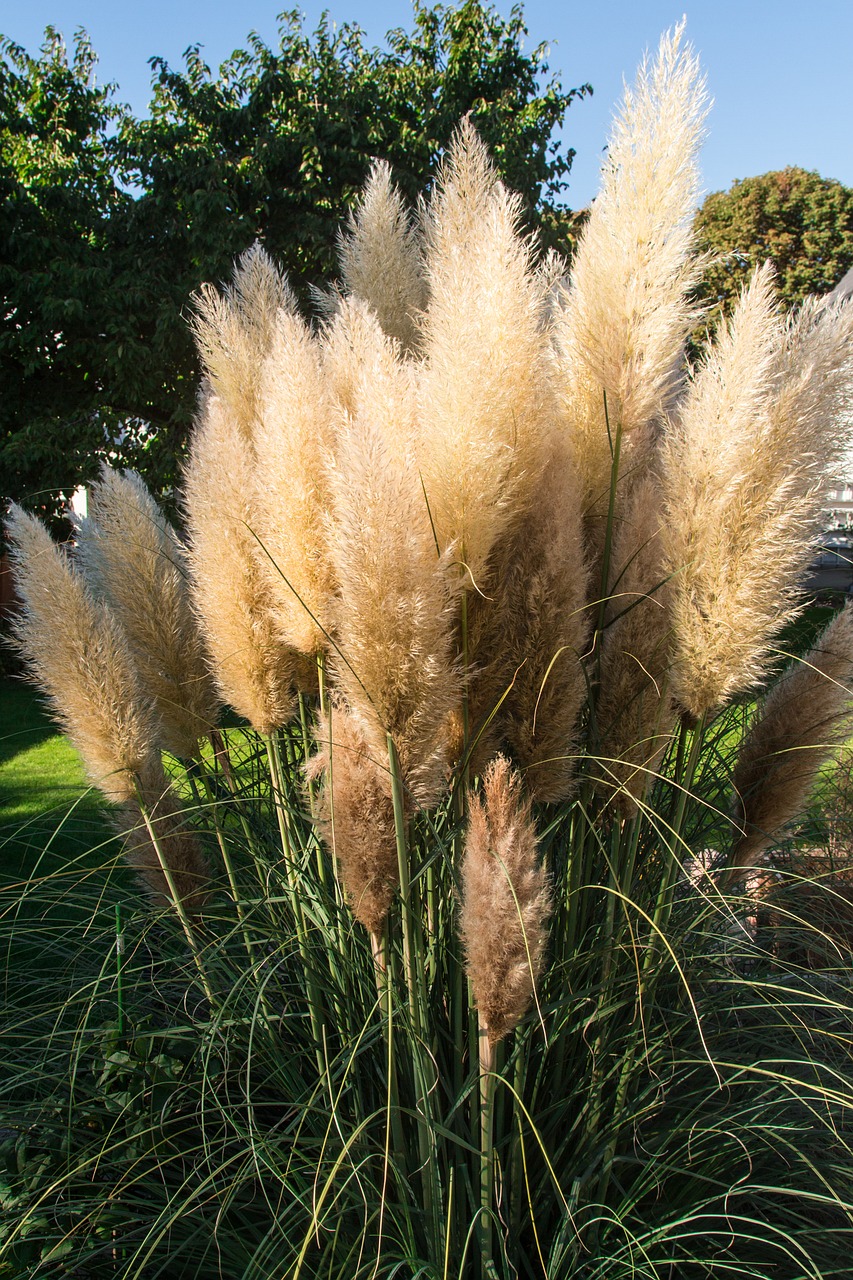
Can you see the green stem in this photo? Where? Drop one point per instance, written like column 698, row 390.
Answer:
column 487, row 1106
column 120, row 971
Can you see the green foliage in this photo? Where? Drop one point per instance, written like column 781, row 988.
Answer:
column 677, row 1102
column 799, row 221
column 108, row 224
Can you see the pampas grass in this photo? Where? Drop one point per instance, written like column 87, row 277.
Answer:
column 491, row 577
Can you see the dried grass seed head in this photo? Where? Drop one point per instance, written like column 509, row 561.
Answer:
column 382, row 259
column 77, row 654
column 252, row 666
column 506, row 901
column 132, row 558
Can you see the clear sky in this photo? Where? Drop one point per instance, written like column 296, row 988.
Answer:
column 780, row 71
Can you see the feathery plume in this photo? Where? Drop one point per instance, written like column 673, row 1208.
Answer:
column 505, row 901
column 393, row 611
column 233, row 330
column 625, row 317
column 356, row 815
column 485, row 390
column 132, row 558
column 381, row 258
column 528, row 634
column 764, row 424
column 634, row 714
column 252, row 666
column 77, row 654
column 294, row 442
column 805, row 716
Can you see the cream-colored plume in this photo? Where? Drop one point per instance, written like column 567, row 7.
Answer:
column 485, row 388
column 764, row 426
column 78, row 655
column 529, row 632
column 356, row 815
column 294, row 448
column 234, row 330
column 253, row 667
column 805, row 716
column 626, row 314
column 393, row 616
column 382, row 260
column 132, row 558
column 634, row 715
column 505, row 901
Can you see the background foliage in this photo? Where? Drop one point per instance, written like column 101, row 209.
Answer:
column 108, row 223
column 800, row 221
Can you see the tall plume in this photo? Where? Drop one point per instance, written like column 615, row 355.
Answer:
column 805, row 716
column 254, row 669
column 626, row 316
column 505, row 901
column 356, row 815
column 528, row 633
column 294, row 447
column 132, row 558
column 763, row 426
column 633, row 710
column 78, row 655
column 382, row 260
column 484, row 387
column 394, row 613
column 234, row 329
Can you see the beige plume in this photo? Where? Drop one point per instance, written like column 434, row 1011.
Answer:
column 294, row 442
column 381, row 258
column 165, row 838
column 805, row 716
column 626, row 314
column 356, row 815
column 745, row 468
column 253, row 668
column 633, row 711
column 234, row 329
column 78, row 655
column 133, row 559
column 394, row 612
column 506, row 902
column 485, row 389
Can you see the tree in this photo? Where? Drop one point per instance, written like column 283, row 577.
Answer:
column 274, row 147
column 801, row 222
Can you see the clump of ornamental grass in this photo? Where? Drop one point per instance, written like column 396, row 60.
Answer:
column 497, row 588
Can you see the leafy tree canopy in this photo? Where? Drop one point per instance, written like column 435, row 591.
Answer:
column 110, row 223
column 801, row 222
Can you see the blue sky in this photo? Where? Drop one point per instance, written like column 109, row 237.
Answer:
column 780, row 71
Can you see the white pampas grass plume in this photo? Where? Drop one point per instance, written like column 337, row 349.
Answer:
column 633, row 711
column 77, row 654
column 233, row 330
column 805, row 716
column 505, row 901
column 132, row 558
column 764, row 425
column 485, row 389
column 394, row 614
column 252, row 666
column 625, row 317
column 356, row 815
column 294, row 446
column 381, row 258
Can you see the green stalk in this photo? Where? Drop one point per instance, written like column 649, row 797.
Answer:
column 120, row 971
column 314, row 1002
column 487, row 1107
column 177, row 902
